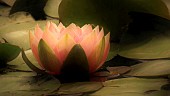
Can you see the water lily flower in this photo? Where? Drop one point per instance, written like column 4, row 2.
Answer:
column 59, row 48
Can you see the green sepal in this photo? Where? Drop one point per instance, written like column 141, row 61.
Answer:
column 47, row 57
column 8, row 52
column 76, row 66
column 30, row 65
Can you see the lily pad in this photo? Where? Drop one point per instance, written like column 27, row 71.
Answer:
column 151, row 68
column 118, row 70
column 148, row 37
column 8, row 52
column 79, row 87
column 28, row 86
column 129, row 86
column 111, row 14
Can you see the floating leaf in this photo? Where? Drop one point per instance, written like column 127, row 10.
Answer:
column 79, row 87
column 118, row 70
column 129, row 86
column 148, row 37
column 28, row 86
column 151, row 68
column 111, row 14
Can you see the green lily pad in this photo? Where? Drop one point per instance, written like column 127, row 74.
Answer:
column 151, row 68
column 79, row 87
column 8, row 52
column 148, row 37
column 111, row 14
column 129, row 86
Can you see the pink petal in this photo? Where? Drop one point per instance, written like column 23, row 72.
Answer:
column 96, row 56
column 53, row 27
column 107, row 48
column 49, row 37
column 86, row 29
column 64, row 46
column 96, row 29
column 74, row 31
column 38, row 32
column 100, row 35
column 61, row 26
column 34, row 46
column 88, row 43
